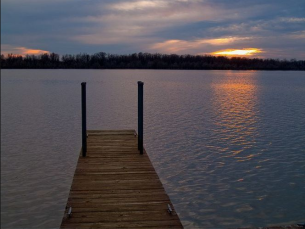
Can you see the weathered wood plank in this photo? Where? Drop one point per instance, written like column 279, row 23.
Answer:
column 111, row 131
column 114, row 159
column 116, row 176
column 132, row 216
column 116, row 187
column 139, row 224
column 99, row 171
column 118, row 206
column 87, row 195
column 115, row 163
column 124, row 183
column 97, row 199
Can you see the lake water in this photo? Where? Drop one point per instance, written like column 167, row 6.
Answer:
column 229, row 146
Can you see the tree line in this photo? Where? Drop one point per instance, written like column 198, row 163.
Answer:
column 141, row 60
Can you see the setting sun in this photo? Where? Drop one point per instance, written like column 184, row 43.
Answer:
column 238, row 52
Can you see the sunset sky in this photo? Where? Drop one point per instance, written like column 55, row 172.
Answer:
column 252, row 28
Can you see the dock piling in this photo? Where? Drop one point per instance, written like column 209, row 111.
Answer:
column 140, row 116
column 84, row 120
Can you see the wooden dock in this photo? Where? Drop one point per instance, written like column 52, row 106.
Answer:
column 115, row 186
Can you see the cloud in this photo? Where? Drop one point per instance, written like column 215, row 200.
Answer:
column 262, row 26
column 130, row 19
column 143, row 23
column 298, row 35
column 9, row 49
column 138, row 5
column 121, row 26
column 197, row 45
column 292, row 19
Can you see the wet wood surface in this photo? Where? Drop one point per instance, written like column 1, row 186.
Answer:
column 116, row 187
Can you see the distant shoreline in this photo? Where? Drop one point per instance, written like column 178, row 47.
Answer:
column 147, row 61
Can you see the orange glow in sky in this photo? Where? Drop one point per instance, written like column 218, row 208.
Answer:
column 26, row 51
column 23, row 51
column 238, row 52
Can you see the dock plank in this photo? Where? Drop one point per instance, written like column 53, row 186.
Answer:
column 116, row 187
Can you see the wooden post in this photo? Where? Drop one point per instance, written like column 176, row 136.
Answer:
column 140, row 116
column 84, row 121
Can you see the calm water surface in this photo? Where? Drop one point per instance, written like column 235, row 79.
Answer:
column 229, row 146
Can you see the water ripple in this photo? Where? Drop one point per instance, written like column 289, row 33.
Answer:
column 228, row 145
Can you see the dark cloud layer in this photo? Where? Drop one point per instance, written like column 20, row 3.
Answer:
column 183, row 26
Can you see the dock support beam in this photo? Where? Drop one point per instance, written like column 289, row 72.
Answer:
column 140, row 116
column 84, row 120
